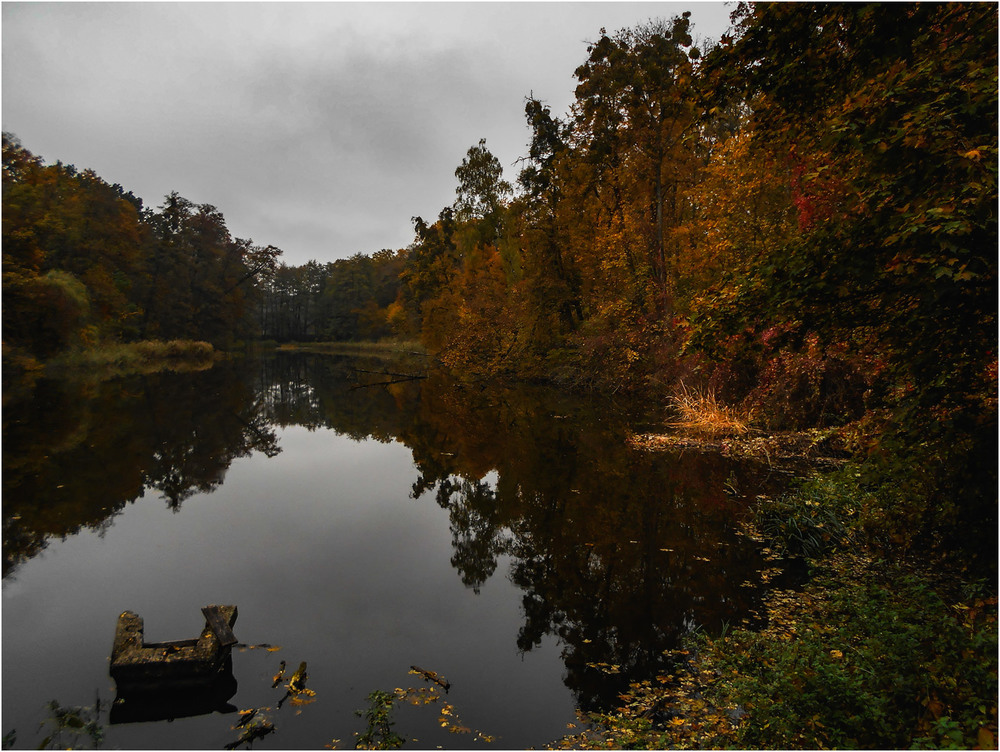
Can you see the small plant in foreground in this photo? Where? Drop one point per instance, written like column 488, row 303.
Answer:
column 813, row 519
column 379, row 734
column 71, row 726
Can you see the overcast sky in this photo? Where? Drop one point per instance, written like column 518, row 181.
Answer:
column 320, row 128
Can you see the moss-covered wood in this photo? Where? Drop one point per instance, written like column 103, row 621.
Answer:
column 138, row 665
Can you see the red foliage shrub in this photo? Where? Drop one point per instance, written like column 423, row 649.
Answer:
column 790, row 383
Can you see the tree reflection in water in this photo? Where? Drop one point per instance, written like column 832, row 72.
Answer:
column 76, row 453
column 618, row 552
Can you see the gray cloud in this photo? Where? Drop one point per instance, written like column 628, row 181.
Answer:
column 318, row 127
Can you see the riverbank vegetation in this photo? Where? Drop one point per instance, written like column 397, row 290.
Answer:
column 388, row 347
column 868, row 655
column 88, row 268
column 794, row 229
column 146, row 356
column 873, row 652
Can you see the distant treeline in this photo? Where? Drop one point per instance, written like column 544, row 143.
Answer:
column 85, row 263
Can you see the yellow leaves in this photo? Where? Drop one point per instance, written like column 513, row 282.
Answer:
column 986, row 739
column 430, row 676
column 935, row 706
column 836, row 654
column 279, row 676
column 298, row 681
column 417, row 696
column 245, row 717
column 973, row 154
column 304, row 697
column 607, row 668
column 448, row 717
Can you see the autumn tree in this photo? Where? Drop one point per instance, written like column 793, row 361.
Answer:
column 72, row 247
column 201, row 279
column 552, row 279
column 887, row 118
column 85, row 263
column 633, row 110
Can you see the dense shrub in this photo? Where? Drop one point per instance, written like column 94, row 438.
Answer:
column 869, row 656
column 788, row 380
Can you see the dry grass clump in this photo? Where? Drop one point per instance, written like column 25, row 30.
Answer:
column 700, row 412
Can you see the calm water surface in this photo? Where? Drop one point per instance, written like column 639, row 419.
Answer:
column 507, row 539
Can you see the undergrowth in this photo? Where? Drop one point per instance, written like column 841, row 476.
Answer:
column 872, row 653
column 869, row 655
column 814, row 518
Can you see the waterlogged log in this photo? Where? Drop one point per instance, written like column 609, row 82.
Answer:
column 433, row 676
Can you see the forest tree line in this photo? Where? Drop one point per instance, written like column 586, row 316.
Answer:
column 802, row 218
column 86, row 263
column 808, row 207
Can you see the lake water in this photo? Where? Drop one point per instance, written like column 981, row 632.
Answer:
column 507, row 539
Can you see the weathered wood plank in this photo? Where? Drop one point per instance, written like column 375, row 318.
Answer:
column 220, row 625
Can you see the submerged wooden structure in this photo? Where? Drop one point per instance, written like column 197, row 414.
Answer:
column 140, row 666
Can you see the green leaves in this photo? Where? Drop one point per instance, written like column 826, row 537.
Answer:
column 857, row 660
